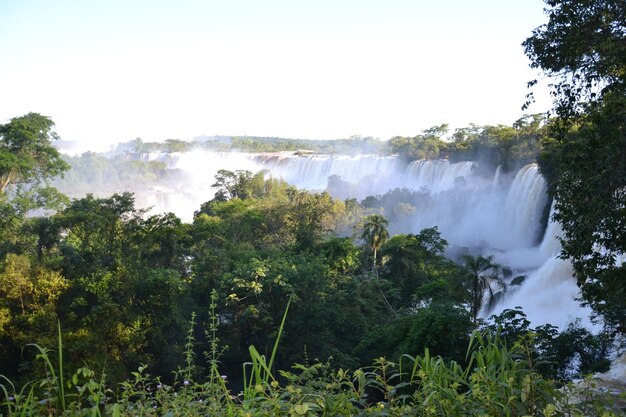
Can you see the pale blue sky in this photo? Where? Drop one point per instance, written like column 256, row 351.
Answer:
column 109, row 71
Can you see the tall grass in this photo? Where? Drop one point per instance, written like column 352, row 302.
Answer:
column 259, row 370
column 48, row 395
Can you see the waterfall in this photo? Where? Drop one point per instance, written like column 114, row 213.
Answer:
column 525, row 203
column 550, row 245
column 375, row 174
column 436, row 176
column 550, row 293
column 494, row 215
column 312, row 171
column 496, row 178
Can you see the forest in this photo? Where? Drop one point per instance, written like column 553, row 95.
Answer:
column 275, row 300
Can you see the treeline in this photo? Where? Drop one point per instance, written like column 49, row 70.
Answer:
column 491, row 146
column 509, row 147
column 353, row 145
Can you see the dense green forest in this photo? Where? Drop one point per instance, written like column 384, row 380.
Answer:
column 278, row 301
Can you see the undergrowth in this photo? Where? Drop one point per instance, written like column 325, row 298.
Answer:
column 497, row 381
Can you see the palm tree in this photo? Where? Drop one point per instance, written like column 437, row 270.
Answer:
column 485, row 276
column 375, row 234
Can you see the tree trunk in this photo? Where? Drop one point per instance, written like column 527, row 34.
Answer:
column 5, row 182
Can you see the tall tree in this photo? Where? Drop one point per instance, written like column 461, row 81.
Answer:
column 413, row 262
column 583, row 47
column 27, row 162
column 375, row 234
column 484, row 278
column 26, row 151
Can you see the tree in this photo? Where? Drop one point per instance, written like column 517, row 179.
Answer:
column 509, row 147
column 29, row 295
column 427, row 145
column 484, row 277
column 231, row 184
column 27, row 162
column 441, row 327
column 583, row 47
column 26, row 151
column 375, row 234
column 417, row 262
column 177, row 145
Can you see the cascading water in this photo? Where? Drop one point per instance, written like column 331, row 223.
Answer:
column 497, row 178
column 549, row 293
column 498, row 216
column 436, row 176
column 550, row 245
column 525, row 203
column 470, row 211
column 312, row 172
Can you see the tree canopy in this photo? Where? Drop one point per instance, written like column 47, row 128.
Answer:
column 583, row 48
column 26, row 151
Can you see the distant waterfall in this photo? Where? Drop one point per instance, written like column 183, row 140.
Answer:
column 312, row 171
column 497, row 178
column 380, row 173
column 438, row 175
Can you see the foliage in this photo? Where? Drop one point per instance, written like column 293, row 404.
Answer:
column 28, row 162
column 582, row 48
column 353, row 144
column 564, row 356
column 428, row 145
column 26, row 151
column 374, row 233
column 238, row 184
column 96, row 173
column 418, row 273
column 442, row 327
column 484, row 278
column 495, row 381
column 509, row 147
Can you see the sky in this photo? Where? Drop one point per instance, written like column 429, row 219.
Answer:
column 111, row 71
